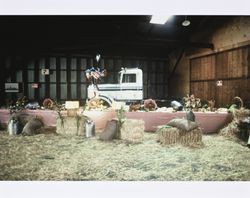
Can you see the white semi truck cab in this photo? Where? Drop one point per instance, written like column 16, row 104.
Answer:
column 128, row 89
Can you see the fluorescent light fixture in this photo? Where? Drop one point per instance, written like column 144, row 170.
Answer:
column 186, row 22
column 159, row 19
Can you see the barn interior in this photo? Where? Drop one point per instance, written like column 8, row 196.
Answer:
column 176, row 59
column 204, row 58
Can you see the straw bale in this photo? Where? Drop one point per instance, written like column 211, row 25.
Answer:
column 173, row 135
column 132, row 130
column 72, row 112
column 241, row 114
column 71, row 125
column 232, row 130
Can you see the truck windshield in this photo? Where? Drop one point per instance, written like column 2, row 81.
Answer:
column 129, row 78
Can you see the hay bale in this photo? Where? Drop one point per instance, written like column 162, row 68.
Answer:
column 233, row 129
column 132, row 130
column 173, row 135
column 72, row 112
column 71, row 125
column 110, row 131
column 240, row 114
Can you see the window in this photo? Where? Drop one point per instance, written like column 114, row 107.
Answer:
column 129, row 78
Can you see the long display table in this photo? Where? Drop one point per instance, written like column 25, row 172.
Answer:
column 210, row 122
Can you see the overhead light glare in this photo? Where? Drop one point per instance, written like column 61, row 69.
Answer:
column 159, row 19
column 186, row 22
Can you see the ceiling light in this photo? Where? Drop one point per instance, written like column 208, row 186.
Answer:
column 159, row 19
column 186, row 22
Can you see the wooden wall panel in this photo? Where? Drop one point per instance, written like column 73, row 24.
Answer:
column 248, row 62
column 205, row 90
column 203, row 68
column 222, row 65
column 232, row 88
column 245, row 62
column 195, row 68
column 231, row 66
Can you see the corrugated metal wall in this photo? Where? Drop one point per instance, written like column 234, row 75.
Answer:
column 67, row 81
column 231, row 66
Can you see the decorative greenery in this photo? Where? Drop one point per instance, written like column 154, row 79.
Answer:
column 120, row 114
column 78, row 119
column 59, row 107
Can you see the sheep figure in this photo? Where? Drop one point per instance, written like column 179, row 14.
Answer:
column 33, row 126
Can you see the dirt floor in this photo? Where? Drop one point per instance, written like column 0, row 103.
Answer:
column 57, row 157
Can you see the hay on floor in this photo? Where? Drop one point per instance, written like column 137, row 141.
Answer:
column 132, row 130
column 54, row 157
column 231, row 131
column 173, row 135
column 241, row 114
column 71, row 125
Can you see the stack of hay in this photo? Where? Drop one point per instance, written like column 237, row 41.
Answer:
column 180, row 131
column 66, row 125
column 233, row 129
column 72, row 108
column 72, row 124
column 132, row 130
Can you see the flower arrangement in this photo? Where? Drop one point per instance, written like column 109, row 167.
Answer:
column 19, row 105
column 190, row 102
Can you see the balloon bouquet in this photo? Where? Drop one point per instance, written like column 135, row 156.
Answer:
column 93, row 74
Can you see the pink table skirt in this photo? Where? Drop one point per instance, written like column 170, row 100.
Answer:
column 209, row 122
column 48, row 116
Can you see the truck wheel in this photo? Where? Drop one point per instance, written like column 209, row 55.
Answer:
column 106, row 101
column 95, row 103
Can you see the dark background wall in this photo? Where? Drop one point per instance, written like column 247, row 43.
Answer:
column 175, row 60
column 67, row 80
